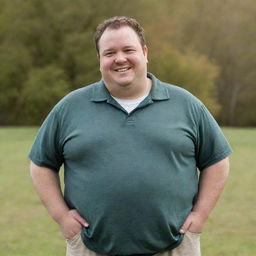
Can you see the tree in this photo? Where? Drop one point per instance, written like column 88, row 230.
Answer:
column 55, row 39
column 15, row 61
column 225, row 31
column 43, row 88
column 190, row 71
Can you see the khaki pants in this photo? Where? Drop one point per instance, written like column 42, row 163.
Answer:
column 190, row 246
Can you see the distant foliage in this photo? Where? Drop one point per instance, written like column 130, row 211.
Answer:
column 189, row 70
column 47, row 50
column 43, row 88
column 224, row 31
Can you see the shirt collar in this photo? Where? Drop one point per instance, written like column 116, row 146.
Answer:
column 100, row 92
column 158, row 91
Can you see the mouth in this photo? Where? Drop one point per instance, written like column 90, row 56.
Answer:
column 122, row 69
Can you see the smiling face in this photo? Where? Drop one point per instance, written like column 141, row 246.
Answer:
column 123, row 60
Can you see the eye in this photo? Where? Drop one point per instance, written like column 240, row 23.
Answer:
column 109, row 54
column 129, row 50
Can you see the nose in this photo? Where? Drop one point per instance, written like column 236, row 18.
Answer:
column 120, row 58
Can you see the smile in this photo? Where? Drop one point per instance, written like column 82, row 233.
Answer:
column 122, row 69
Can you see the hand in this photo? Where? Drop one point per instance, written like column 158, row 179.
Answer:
column 71, row 224
column 193, row 223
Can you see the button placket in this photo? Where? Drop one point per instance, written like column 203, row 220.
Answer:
column 130, row 119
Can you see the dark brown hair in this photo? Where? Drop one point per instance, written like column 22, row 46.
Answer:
column 117, row 22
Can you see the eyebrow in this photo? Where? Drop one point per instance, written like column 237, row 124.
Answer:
column 108, row 50
column 113, row 49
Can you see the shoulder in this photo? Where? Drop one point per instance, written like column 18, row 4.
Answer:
column 187, row 105
column 173, row 91
column 77, row 98
column 181, row 95
column 81, row 93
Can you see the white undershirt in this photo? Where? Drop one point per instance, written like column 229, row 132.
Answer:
column 130, row 105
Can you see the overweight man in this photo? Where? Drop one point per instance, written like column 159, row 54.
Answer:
column 132, row 147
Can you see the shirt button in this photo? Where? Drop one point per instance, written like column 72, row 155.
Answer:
column 130, row 120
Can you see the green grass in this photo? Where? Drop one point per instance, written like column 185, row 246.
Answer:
column 27, row 230
column 231, row 229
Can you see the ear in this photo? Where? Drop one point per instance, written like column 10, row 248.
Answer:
column 98, row 57
column 145, row 52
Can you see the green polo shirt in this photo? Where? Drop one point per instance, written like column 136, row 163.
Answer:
column 133, row 177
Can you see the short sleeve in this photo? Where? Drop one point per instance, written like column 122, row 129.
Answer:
column 46, row 150
column 211, row 146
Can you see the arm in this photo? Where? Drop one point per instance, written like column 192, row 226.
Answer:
column 211, row 183
column 47, row 184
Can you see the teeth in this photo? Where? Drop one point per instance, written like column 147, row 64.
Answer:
column 122, row 69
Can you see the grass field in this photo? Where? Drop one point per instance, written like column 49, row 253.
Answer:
column 27, row 230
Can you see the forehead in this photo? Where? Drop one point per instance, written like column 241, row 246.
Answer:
column 122, row 36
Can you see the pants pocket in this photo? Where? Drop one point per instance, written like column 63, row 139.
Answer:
column 74, row 241
column 194, row 233
column 190, row 246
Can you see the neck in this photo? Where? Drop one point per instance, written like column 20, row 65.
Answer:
column 131, row 92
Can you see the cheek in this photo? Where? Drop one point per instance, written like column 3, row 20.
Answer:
column 105, row 65
column 138, row 60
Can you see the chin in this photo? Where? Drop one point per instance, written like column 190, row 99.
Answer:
column 123, row 82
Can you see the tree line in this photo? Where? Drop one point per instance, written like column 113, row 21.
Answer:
column 205, row 46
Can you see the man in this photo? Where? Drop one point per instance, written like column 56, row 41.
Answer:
column 131, row 146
